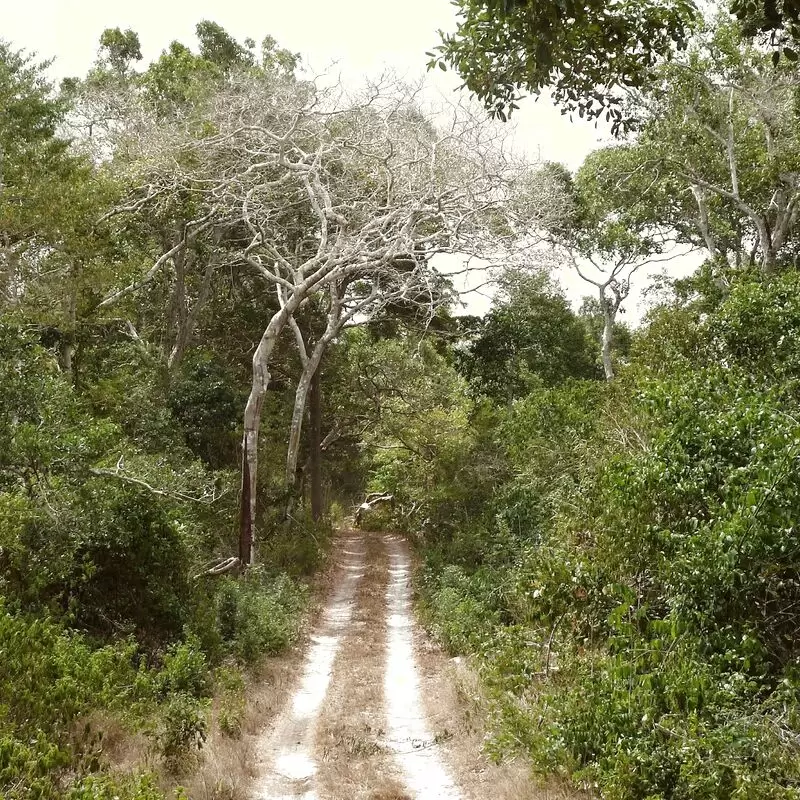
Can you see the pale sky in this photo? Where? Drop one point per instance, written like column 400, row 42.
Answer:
column 361, row 36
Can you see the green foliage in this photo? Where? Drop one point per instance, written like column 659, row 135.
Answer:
column 31, row 154
column 120, row 48
column 530, row 338
column 49, row 677
column 219, row 47
column 630, row 592
column 464, row 612
column 204, row 402
column 185, row 670
column 184, row 727
column 258, row 615
column 86, row 550
column 577, row 50
column 126, row 787
column 230, row 687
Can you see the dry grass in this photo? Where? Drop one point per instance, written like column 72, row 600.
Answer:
column 354, row 763
column 228, row 766
column 123, row 749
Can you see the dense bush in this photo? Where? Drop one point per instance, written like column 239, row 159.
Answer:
column 258, row 615
column 100, row 607
column 631, row 590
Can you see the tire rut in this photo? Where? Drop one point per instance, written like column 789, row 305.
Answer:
column 288, row 764
column 355, row 762
column 416, row 749
column 356, row 727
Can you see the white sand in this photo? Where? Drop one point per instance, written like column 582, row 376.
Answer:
column 409, row 735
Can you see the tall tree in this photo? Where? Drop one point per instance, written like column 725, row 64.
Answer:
column 380, row 183
column 715, row 164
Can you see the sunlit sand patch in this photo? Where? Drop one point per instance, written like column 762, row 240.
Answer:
column 409, row 735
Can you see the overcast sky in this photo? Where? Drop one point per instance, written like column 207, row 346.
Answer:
column 361, row 36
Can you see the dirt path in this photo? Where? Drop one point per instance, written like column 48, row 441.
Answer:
column 379, row 713
column 411, row 739
column 287, row 751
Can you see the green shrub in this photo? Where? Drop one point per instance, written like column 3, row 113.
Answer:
column 118, row 787
column 258, row 615
column 49, row 676
column 298, row 549
column 183, row 728
column 631, row 590
column 462, row 610
column 185, row 670
column 229, row 684
column 31, row 768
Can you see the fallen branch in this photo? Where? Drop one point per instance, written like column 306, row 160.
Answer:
column 220, row 568
column 370, row 501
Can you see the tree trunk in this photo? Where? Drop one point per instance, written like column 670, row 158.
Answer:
column 310, row 369
column 187, row 321
column 315, row 445
column 769, row 261
column 609, row 314
column 298, row 412
column 252, row 424
column 70, row 324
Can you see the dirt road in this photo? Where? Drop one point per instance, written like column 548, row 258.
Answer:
column 378, row 713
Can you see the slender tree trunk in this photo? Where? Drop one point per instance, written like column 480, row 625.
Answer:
column 252, row 424
column 609, row 313
column 315, row 445
column 187, row 321
column 70, row 323
column 298, row 412
column 769, row 260
column 310, row 369
column 176, row 305
column 768, row 252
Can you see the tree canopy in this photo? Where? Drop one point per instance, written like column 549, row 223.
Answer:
column 585, row 54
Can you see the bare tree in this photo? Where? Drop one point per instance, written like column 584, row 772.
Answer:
column 377, row 181
column 320, row 193
column 357, row 303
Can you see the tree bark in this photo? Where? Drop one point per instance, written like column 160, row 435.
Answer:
column 188, row 319
column 769, row 260
column 70, row 323
column 609, row 314
column 298, row 412
column 252, row 425
column 315, row 445
column 301, row 395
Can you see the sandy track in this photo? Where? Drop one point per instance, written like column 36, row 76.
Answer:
column 379, row 713
column 287, row 751
column 355, row 762
column 415, row 748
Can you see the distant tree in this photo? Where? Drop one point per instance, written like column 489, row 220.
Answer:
column 531, row 338
column 715, row 163
column 120, row 49
column 219, row 47
column 603, row 243
column 591, row 314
